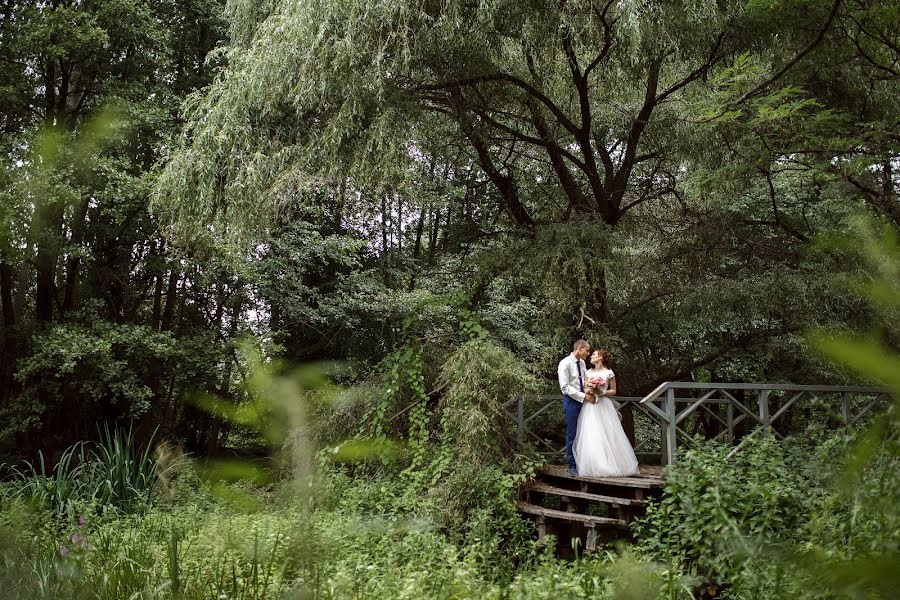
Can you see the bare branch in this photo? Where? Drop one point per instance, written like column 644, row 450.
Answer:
column 607, row 40
column 519, row 83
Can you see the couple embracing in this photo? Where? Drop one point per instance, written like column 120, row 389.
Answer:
column 596, row 444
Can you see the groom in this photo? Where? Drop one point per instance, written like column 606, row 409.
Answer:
column 570, row 372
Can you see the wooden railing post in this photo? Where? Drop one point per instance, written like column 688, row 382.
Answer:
column 671, row 430
column 661, row 405
column 729, row 421
column 520, row 421
column 663, row 449
column 764, row 411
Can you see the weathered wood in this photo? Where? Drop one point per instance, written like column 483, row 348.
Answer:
column 541, row 410
column 763, row 401
column 662, row 405
column 862, row 413
column 545, row 488
column 714, row 415
column 562, row 515
column 790, row 387
column 520, row 421
column 729, row 418
column 591, row 542
column 645, row 481
column 671, row 429
column 696, row 404
column 788, row 404
column 623, row 498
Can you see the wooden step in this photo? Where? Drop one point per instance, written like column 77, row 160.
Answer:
column 562, row 515
column 643, row 481
column 558, row 491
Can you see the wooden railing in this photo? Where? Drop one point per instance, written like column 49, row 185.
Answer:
column 663, row 408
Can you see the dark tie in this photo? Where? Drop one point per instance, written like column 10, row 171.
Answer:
column 580, row 381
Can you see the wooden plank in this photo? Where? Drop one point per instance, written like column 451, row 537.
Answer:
column 866, row 409
column 747, row 412
column 650, row 472
column 634, row 481
column 540, row 411
column 714, row 415
column 687, row 411
column 763, row 402
column 558, row 491
column 550, row 513
column 788, row 404
column 520, row 422
column 671, row 446
column 787, row 387
column 591, row 544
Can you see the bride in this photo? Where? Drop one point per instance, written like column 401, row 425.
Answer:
column 601, row 447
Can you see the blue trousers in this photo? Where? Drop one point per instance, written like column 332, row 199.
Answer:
column 571, row 408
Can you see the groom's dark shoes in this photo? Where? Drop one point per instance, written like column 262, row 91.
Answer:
column 573, row 472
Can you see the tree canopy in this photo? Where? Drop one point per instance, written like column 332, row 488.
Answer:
column 654, row 176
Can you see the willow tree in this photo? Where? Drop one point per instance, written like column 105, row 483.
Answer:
column 570, row 111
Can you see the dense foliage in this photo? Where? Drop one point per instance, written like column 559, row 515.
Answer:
column 429, row 201
column 716, row 533
column 650, row 177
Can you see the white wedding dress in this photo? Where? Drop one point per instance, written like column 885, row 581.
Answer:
column 601, row 447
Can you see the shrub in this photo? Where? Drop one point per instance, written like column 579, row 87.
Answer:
column 715, row 513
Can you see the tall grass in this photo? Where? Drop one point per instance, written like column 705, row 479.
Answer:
column 55, row 489
column 124, row 474
column 114, row 472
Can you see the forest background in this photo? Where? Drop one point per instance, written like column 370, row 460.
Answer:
column 432, row 200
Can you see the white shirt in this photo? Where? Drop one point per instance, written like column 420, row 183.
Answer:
column 567, row 373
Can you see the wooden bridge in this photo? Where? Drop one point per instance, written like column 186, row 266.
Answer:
column 668, row 418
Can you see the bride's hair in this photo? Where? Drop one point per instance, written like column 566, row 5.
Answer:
column 606, row 356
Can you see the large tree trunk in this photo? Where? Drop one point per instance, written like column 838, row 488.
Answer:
column 596, row 308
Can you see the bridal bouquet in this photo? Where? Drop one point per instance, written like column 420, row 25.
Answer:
column 597, row 384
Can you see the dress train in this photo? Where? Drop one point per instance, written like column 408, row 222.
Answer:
column 601, row 447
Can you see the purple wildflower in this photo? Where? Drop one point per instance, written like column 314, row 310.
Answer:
column 64, row 552
column 78, row 538
column 82, row 520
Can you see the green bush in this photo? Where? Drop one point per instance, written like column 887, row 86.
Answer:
column 716, row 513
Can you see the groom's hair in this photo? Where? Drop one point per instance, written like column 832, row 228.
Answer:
column 580, row 344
